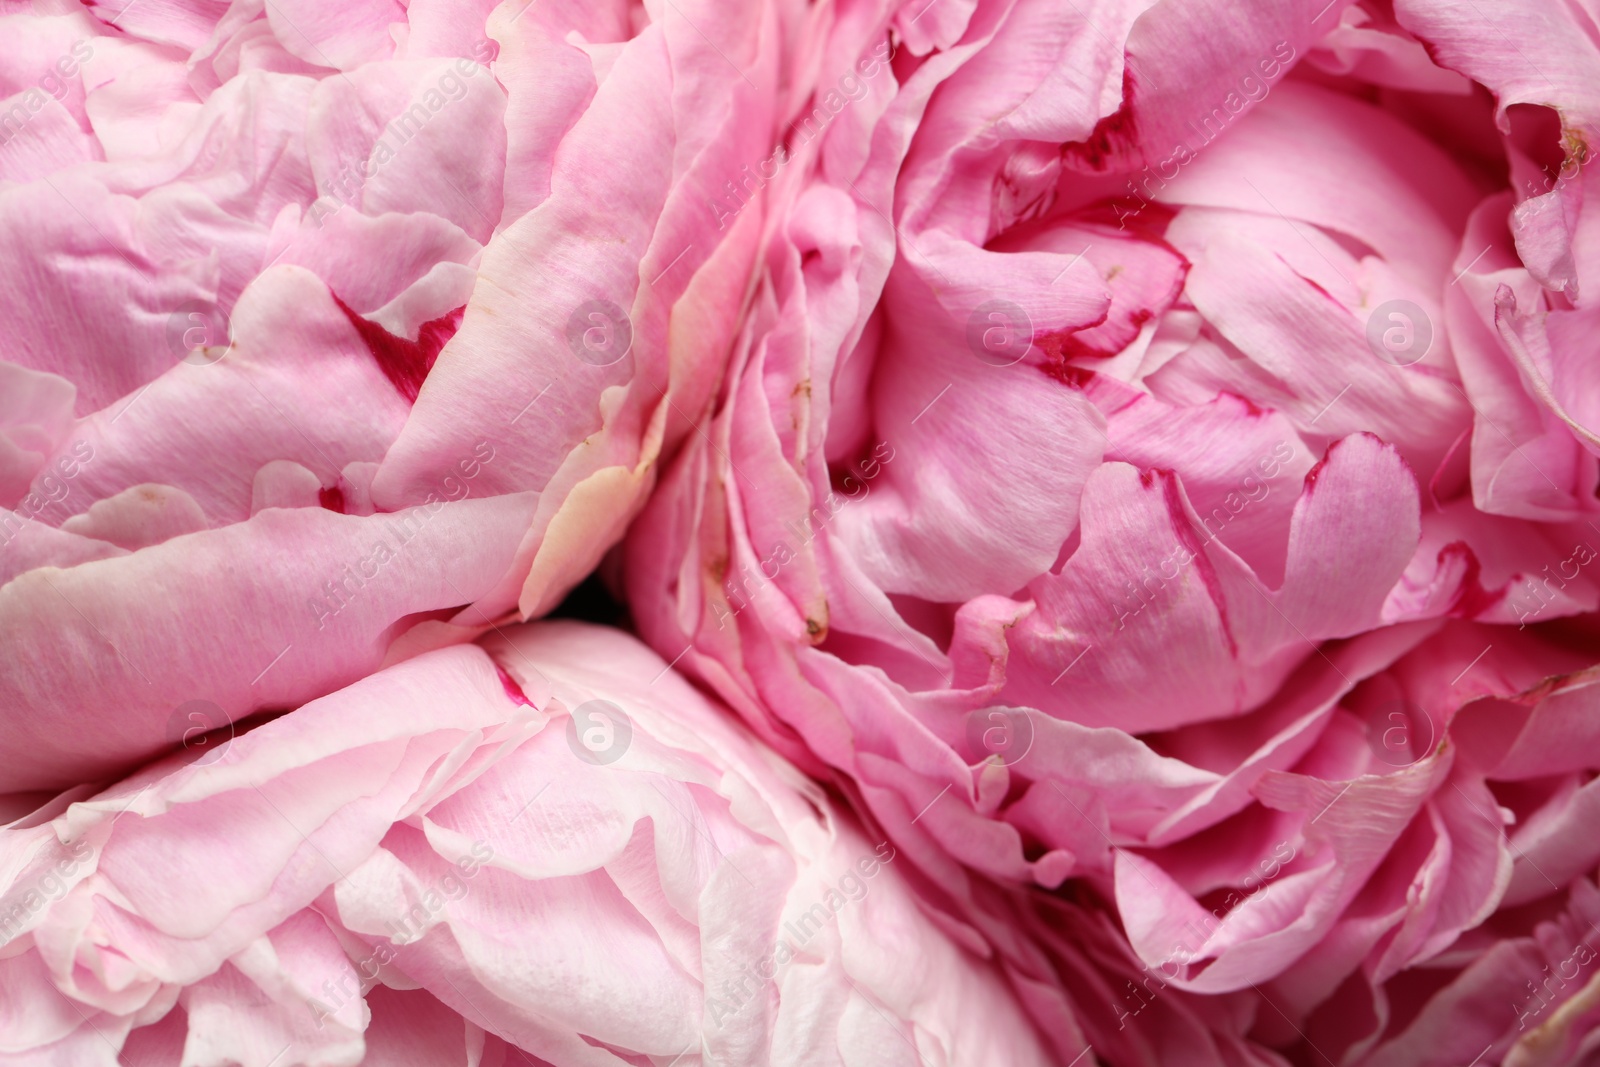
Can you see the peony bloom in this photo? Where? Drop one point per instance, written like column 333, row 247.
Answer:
column 333, row 333
column 590, row 864
column 1110, row 485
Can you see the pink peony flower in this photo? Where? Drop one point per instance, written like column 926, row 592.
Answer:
column 603, row 870
column 332, row 334
column 1110, row 486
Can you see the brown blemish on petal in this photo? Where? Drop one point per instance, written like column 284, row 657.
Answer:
column 1576, row 147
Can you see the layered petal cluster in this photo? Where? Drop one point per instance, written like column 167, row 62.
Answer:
column 1529, row 267
column 1111, row 485
column 1436, row 818
column 332, row 328
column 554, row 851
